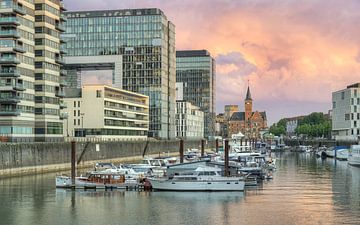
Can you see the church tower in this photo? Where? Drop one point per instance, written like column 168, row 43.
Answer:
column 248, row 105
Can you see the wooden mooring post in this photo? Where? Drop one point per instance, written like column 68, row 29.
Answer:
column 181, row 150
column 73, row 163
column 202, row 147
column 226, row 171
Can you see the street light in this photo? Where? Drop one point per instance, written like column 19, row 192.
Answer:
column 82, row 124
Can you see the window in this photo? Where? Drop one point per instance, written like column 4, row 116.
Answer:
column 78, row 112
column 74, row 112
column 74, row 103
column 334, row 105
column 78, row 103
column 342, row 95
column 98, row 93
column 355, row 124
column 74, row 121
column 79, row 122
column 347, row 116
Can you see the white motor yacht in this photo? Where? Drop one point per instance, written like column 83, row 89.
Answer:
column 204, row 178
column 354, row 155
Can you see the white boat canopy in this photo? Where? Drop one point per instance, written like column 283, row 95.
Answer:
column 237, row 136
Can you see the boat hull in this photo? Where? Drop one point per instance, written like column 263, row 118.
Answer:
column 65, row 182
column 354, row 160
column 168, row 185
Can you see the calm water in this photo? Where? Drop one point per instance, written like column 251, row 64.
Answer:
column 305, row 190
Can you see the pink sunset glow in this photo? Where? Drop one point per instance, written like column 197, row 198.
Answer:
column 295, row 53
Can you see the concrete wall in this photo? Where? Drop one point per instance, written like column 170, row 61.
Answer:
column 20, row 159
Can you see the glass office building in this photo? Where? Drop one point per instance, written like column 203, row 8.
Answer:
column 30, row 70
column 145, row 40
column 196, row 70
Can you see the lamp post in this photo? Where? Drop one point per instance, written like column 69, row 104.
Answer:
column 82, row 124
column 67, row 124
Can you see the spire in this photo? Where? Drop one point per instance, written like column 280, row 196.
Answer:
column 248, row 95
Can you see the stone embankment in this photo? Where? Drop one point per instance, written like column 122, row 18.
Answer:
column 35, row 158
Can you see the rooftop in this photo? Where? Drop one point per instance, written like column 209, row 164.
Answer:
column 114, row 13
column 192, row 53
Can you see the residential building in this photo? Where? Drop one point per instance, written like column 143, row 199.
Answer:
column 196, row 69
column 30, row 80
column 220, row 125
column 346, row 113
column 249, row 122
column 189, row 121
column 292, row 124
column 118, row 114
column 139, row 46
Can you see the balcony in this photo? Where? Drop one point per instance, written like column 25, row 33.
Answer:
column 62, row 6
column 9, row 112
column 63, row 73
column 11, row 7
column 13, row 85
column 60, row 93
column 9, row 99
column 63, row 115
column 11, row 46
column 60, row 27
column 9, row 34
column 9, row 21
column 63, row 82
column 60, row 60
column 9, row 73
column 62, row 105
column 9, row 60
column 63, row 18
column 63, row 49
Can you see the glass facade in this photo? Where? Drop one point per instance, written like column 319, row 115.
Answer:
column 196, row 69
column 146, row 41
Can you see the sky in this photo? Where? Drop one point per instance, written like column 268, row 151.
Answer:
column 293, row 53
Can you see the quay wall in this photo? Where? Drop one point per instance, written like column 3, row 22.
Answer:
column 36, row 158
column 318, row 143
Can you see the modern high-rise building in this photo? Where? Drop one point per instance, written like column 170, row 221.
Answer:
column 346, row 113
column 196, row 70
column 189, row 121
column 30, row 61
column 138, row 45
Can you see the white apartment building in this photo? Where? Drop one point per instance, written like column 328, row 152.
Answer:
column 346, row 113
column 189, row 121
column 106, row 112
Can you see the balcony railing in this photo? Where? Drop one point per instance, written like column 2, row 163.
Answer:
column 11, row 45
column 63, row 73
column 60, row 27
column 9, row 73
column 9, row 60
column 9, row 20
column 9, row 33
column 63, row 105
column 10, row 99
column 60, row 93
column 59, row 60
column 13, row 85
column 10, row 5
column 63, row 115
column 10, row 112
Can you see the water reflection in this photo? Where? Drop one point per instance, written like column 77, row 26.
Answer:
column 305, row 190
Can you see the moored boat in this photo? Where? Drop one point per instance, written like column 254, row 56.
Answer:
column 204, row 178
column 354, row 155
column 96, row 180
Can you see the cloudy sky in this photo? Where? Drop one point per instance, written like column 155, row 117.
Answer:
column 294, row 53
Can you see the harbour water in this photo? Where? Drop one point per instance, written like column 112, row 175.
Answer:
column 305, row 190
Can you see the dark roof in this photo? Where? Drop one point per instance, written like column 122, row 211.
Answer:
column 113, row 13
column 248, row 94
column 356, row 85
column 263, row 114
column 192, row 53
column 237, row 116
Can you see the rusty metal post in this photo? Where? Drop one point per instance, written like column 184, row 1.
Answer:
column 226, row 158
column 181, row 150
column 73, row 161
column 216, row 145
column 202, row 147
